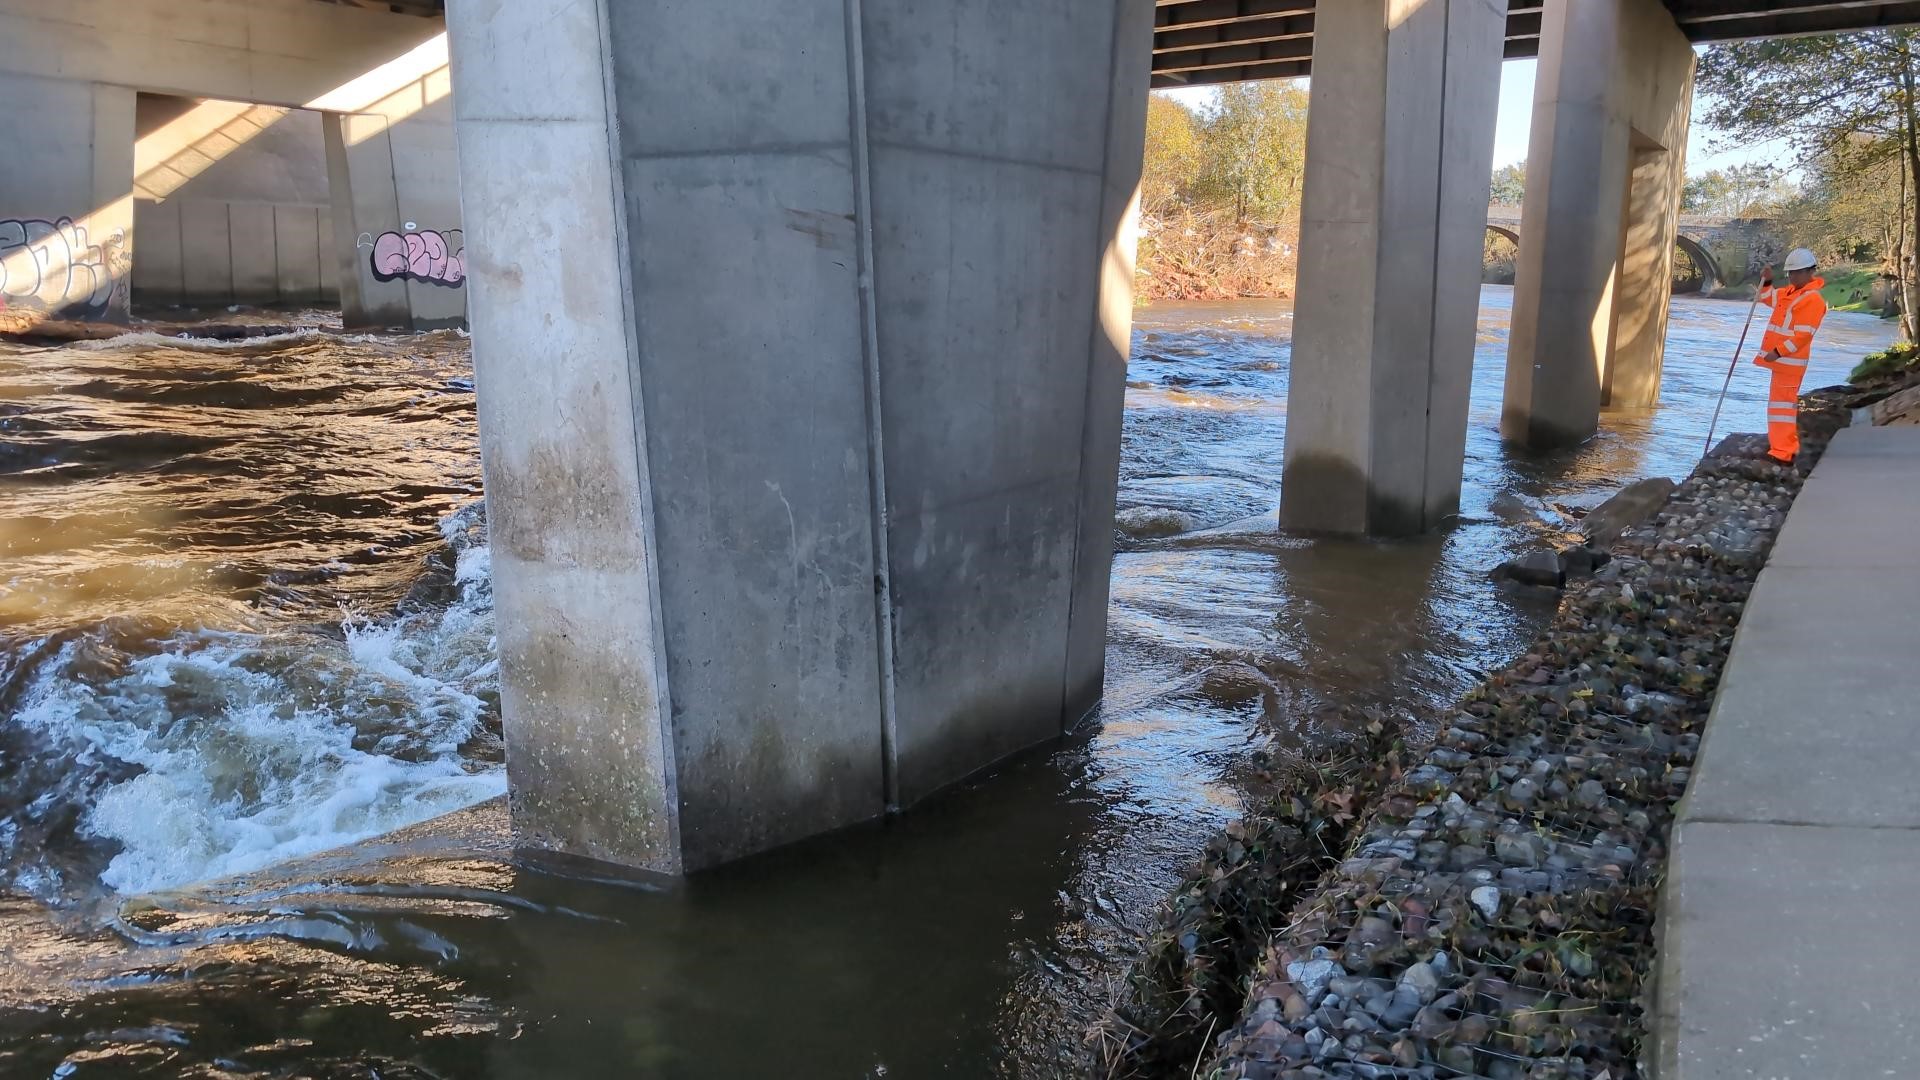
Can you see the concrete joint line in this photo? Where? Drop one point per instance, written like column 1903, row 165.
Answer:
column 998, row 159
column 795, row 149
column 623, row 258
column 1100, row 240
column 1433, row 280
column 1772, row 823
column 1002, row 491
column 530, row 120
column 870, row 358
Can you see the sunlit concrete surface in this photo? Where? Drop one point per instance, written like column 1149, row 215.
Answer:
column 1611, row 107
column 389, row 244
column 1800, row 830
column 1399, row 151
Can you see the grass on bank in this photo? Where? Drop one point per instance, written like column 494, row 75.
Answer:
column 1850, row 288
column 1896, row 359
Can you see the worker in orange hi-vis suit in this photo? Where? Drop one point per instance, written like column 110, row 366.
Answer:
column 1798, row 308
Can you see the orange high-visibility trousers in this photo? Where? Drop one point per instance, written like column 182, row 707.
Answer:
column 1783, row 412
column 1797, row 313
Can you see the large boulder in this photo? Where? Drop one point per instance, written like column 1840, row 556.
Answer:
column 1741, row 444
column 1582, row 561
column 1518, row 508
column 1152, row 522
column 1897, row 410
column 1635, row 504
column 1534, row 568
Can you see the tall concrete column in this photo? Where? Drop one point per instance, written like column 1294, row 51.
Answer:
column 365, row 206
column 1605, row 167
column 800, row 329
column 398, row 245
column 1399, row 152
column 66, row 200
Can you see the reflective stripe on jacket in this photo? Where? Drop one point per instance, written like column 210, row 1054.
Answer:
column 1796, row 315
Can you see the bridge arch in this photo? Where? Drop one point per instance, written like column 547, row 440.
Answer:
column 1501, row 263
column 1707, row 273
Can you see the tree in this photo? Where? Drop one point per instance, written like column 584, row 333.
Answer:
column 1850, row 213
column 1702, row 191
column 1756, row 189
column 1848, row 100
column 1256, row 149
column 1509, row 185
column 1220, row 192
column 1174, row 154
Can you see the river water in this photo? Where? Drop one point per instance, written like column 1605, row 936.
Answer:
column 244, row 618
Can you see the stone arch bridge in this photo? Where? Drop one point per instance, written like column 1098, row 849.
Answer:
column 1722, row 251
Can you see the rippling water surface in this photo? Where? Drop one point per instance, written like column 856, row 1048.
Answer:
column 245, row 616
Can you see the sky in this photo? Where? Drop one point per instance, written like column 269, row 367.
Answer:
column 1516, row 117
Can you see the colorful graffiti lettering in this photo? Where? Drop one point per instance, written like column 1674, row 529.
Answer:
column 52, row 267
column 430, row 256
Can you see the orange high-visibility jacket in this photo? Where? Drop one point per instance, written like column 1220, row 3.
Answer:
column 1796, row 315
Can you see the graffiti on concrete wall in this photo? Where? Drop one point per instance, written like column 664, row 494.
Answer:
column 55, row 268
column 424, row 255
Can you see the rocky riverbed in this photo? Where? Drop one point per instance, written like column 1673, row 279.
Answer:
column 1477, row 902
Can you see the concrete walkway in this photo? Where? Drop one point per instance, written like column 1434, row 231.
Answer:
column 1789, row 946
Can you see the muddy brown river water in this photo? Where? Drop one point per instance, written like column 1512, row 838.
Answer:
column 244, row 618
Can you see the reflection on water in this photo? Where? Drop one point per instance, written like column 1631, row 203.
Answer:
column 240, row 620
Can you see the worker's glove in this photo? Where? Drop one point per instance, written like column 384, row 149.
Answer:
column 1766, row 278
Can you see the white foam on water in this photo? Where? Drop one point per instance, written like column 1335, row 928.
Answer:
column 140, row 338
column 254, row 749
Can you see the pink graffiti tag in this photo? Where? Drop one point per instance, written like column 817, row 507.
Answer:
column 429, row 256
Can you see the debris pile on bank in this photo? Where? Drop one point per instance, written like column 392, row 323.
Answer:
column 1203, row 255
column 1491, row 912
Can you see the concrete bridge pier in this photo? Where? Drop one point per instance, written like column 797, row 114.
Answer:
column 1606, row 166
column 1399, row 152
column 394, row 192
column 365, row 206
column 800, row 331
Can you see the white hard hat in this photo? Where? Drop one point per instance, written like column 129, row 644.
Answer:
column 1800, row 259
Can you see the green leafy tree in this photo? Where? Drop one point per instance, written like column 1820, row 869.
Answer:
column 1509, row 185
column 1255, row 142
column 1220, row 191
column 1174, row 155
column 1847, row 102
column 1756, row 189
column 1851, row 212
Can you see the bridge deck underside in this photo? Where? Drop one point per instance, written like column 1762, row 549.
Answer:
column 1197, row 42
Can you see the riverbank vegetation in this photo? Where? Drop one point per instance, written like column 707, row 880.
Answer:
column 1889, row 364
column 1851, row 287
column 1220, row 194
column 1849, row 107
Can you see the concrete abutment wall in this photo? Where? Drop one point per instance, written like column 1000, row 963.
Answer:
column 244, row 228
column 66, row 198
column 69, row 75
column 800, row 400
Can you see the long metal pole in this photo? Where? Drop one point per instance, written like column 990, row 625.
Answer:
column 1737, row 350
